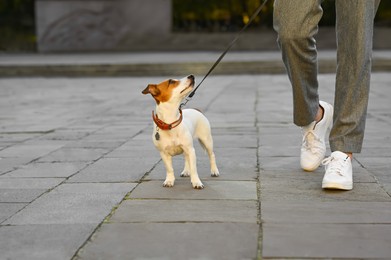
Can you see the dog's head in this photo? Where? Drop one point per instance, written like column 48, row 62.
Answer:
column 171, row 90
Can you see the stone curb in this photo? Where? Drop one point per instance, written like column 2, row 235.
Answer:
column 166, row 69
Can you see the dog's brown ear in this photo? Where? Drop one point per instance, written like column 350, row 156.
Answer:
column 151, row 89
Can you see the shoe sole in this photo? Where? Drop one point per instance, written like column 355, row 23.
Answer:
column 337, row 186
column 307, row 169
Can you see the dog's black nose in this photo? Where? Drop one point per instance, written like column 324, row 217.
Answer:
column 190, row 77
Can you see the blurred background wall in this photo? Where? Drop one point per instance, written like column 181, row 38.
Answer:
column 137, row 25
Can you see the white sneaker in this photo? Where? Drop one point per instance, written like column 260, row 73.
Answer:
column 313, row 148
column 339, row 173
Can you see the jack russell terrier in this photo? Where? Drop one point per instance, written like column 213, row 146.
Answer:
column 175, row 129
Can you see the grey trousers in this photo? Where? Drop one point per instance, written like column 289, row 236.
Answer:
column 296, row 22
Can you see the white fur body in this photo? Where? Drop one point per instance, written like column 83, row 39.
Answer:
column 179, row 140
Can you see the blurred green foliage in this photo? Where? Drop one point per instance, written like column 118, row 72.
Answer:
column 231, row 15
column 17, row 25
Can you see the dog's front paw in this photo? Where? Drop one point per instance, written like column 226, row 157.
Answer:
column 168, row 183
column 197, row 185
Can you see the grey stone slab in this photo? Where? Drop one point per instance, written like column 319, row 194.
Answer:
column 32, row 150
column 360, row 175
column 9, row 209
column 72, row 204
column 373, row 163
column 133, row 211
column 17, row 137
column 217, row 190
column 64, row 134
column 294, row 174
column 43, row 241
column 355, row 241
column 279, row 163
column 140, row 153
column 228, row 171
column 286, row 139
column 233, row 164
column 29, row 183
column 47, row 170
column 173, row 241
column 387, row 187
column 382, row 175
column 326, row 212
column 273, row 189
column 266, row 151
column 94, row 144
column 139, row 145
column 114, row 170
column 74, row 155
column 235, row 141
column 114, row 137
column 23, row 195
column 8, row 164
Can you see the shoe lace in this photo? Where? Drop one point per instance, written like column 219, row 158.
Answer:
column 334, row 165
column 312, row 142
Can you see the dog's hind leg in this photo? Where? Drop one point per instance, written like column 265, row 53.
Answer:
column 186, row 170
column 207, row 143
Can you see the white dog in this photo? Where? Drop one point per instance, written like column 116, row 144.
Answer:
column 174, row 129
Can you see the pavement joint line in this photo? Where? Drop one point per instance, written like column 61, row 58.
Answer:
column 258, row 169
column 373, row 176
column 106, row 220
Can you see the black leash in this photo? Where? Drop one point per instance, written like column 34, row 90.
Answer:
column 255, row 14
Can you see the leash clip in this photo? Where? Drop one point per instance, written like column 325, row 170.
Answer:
column 187, row 99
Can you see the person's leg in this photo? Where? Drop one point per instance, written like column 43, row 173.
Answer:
column 296, row 22
column 354, row 40
column 354, row 28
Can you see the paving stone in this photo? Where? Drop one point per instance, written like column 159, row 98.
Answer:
column 8, row 164
column 20, row 195
column 326, row 212
column 9, row 209
column 29, row 183
column 233, row 164
column 217, row 190
column 25, row 189
column 113, row 170
column 133, row 211
column 43, row 241
column 235, row 141
column 74, row 155
column 63, row 134
column 47, row 170
column 359, row 174
column 31, row 150
column 373, row 162
column 186, row 241
column 140, row 153
column 14, row 138
column 73, row 204
column 387, row 188
column 273, row 189
column 355, row 241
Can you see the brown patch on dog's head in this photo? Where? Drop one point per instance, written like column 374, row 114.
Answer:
column 161, row 92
